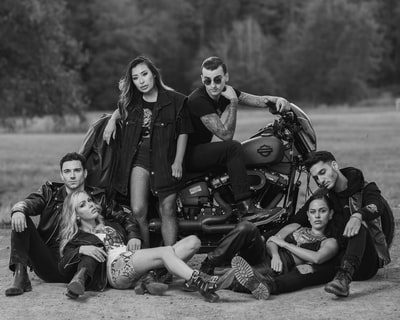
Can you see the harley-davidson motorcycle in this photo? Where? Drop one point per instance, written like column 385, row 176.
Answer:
column 274, row 159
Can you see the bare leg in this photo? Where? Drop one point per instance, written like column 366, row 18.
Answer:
column 186, row 248
column 139, row 192
column 152, row 258
column 169, row 226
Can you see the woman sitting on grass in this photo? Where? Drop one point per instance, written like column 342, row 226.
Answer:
column 292, row 247
column 93, row 251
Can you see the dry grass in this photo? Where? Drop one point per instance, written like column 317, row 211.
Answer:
column 366, row 138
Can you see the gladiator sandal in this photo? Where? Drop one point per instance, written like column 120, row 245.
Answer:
column 205, row 284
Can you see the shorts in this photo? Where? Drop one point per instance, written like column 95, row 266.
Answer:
column 120, row 271
column 142, row 156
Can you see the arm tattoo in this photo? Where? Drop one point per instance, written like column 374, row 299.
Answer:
column 215, row 125
column 251, row 100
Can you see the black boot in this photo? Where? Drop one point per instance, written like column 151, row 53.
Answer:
column 205, row 284
column 77, row 285
column 207, row 267
column 340, row 285
column 21, row 281
column 259, row 285
column 150, row 284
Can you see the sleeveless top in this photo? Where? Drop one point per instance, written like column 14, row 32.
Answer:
column 304, row 238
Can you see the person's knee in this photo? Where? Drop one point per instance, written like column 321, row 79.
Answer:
column 234, row 147
column 167, row 212
column 192, row 243
column 139, row 212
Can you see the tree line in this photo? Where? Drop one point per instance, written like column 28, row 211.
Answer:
column 59, row 56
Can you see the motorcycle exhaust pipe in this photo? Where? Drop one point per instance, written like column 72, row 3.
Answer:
column 213, row 224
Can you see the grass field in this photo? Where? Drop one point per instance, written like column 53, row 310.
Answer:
column 366, row 138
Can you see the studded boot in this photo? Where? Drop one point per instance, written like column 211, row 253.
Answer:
column 206, row 285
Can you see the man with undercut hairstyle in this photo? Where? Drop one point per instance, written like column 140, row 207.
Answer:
column 358, row 206
column 206, row 105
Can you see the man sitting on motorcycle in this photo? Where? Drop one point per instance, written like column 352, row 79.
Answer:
column 206, row 105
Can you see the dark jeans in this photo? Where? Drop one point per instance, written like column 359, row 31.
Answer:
column 92, row 266
column 246, row 241
column 225, row 154
column 29, row 249
column 361, row 252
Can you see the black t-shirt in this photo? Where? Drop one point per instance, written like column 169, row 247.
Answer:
column 201, row 104
column 147, row 116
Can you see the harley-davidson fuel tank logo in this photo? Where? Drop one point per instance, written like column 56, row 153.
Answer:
column 264, row 150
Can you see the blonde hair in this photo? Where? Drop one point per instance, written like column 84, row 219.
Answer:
column 69, row 225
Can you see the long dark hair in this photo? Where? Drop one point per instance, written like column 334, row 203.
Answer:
column 329, row 229
column 128, row 90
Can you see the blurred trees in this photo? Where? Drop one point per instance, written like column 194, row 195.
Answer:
column 40, row 63
column 59, row 55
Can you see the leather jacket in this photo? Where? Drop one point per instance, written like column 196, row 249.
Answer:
column 361, row 197
column 47, row 202
column 71, row 257
column 100, row 157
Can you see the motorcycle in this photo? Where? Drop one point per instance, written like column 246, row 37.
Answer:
column 274, row 159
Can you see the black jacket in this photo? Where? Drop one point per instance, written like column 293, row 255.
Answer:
column 100, row 157
column 47, row 203
column 71, row 257
column 361, row 197
column 170, row 118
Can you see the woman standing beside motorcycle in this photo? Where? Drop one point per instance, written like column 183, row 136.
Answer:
column 152, row 143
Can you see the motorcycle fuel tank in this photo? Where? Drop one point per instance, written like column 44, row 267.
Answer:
column 262, row 150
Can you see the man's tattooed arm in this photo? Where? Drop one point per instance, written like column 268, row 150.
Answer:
column 226, row 130
column 253, row 100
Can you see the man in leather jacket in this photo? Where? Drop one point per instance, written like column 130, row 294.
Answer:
column 38, row 246
column 357, row 206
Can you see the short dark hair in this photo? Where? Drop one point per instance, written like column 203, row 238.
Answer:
column 212, row 63
column 73, row 156
column 317, row 156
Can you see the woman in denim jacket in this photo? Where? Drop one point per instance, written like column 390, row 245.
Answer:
column 154, row 128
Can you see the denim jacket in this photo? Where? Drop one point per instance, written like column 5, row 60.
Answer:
column 170, row 119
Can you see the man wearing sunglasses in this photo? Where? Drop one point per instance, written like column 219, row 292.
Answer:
column 206, row 105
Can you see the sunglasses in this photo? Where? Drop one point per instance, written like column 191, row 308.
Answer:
column 217, row 80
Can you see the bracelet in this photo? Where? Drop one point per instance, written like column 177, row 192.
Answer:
column 357, row 217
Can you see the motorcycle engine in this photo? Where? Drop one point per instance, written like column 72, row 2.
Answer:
column 211, row 195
